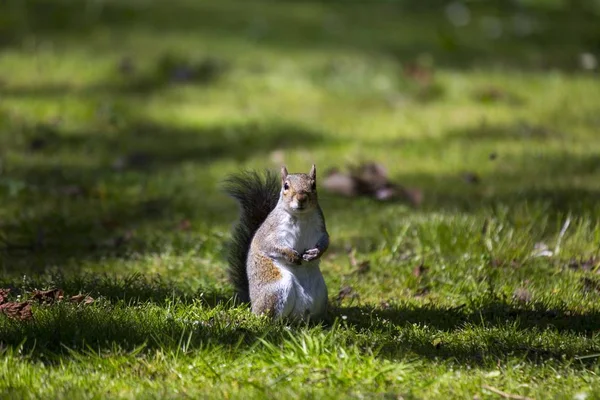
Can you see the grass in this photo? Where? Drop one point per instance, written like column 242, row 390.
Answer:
column 119, row 120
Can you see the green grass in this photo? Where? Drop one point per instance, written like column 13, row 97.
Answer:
column 110, row 179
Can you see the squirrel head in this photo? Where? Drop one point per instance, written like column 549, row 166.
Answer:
column 299, row 191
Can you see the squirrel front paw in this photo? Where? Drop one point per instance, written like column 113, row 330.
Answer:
column 294, row 257
column 311, row 254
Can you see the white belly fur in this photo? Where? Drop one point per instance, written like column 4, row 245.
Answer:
column 307, row 293
column 307, row 290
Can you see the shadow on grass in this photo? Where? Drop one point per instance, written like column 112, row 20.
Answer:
column 536, row 34
column 515, row 332
column 542, row 176
column 95, row 203
column 133, row 289
column 129, row 313
column 168, row 70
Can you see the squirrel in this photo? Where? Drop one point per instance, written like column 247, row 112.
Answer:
column 277, row 244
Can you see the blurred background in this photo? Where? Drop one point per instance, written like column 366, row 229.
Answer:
column 119, row 120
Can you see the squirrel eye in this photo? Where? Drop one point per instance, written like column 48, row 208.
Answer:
column 286, row 186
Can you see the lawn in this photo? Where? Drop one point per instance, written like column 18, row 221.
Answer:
column 119, row 120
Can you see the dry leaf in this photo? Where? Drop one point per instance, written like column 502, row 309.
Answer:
column 184, row 225
column 337, row 182
column 522, row 295
column 471, row 177
column 369, row 179
column 4, row 295
column 364, row 267
column 21, row 311
column 419, row 73
column 81, row 298
column 420, row 270
column 587, row 265
column 345, row 292
column 360, row 266
column 47, row 296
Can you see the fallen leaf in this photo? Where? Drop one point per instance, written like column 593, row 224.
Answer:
column 81, row 298
column 422, row 291
column 47, row 296
column 522, row 295
column 337, row 182
column 184, row 225
column 345, row 292
column 4, row 295
column 364, row 267
column 17, row 310
column 361, row 267
column 471, row 177
column 586, row 265
column 369, row 179
column 419, row 73
column 420, row 270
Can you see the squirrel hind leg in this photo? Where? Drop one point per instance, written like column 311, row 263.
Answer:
column 276, row 301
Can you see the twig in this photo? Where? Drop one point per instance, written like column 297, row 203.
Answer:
column 587, row 356
column 504, row 394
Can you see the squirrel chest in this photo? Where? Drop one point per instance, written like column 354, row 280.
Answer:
column 301, row 233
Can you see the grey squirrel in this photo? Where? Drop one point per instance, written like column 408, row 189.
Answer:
column 277, row 243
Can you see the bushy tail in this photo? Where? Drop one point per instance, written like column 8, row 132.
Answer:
column 257, row 197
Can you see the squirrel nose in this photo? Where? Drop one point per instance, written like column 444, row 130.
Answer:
column 301, row 197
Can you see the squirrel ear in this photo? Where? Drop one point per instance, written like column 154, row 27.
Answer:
column 284, row 173
column 313, row 172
